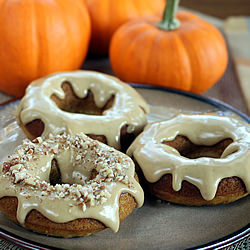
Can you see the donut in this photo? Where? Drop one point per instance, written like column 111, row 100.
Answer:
column 96, row 104
column 195, row 159
column 68, row 185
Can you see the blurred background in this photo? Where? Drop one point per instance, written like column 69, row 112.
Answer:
column 219, row 8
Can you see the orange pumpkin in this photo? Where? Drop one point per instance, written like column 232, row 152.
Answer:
column 107, row 15
column 191, row 56
column 39, row 37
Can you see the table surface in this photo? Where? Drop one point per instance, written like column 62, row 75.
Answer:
column 219, row 8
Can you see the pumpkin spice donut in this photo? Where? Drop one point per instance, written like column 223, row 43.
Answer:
column 68, row 186
column 195, row 159
column 96, row 104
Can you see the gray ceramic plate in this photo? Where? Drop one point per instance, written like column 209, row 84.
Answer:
column 157, row 225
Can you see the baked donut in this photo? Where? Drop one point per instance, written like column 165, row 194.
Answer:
column 68, row 186
column 195, row 159
column 96, row 104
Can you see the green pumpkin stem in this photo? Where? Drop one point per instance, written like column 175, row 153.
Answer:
column 169, row 22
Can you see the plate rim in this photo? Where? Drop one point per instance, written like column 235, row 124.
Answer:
column 210, row 100
column 223, row 242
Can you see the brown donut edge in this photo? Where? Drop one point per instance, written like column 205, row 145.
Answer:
column 38, row 223
column 35, row 129
column 229, row 190
column 32, row 129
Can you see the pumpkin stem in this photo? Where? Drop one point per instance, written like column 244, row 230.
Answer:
column 169, row 22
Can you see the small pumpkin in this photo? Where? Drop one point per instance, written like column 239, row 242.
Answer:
column 107, row 15
column 186, row 53
column 39, row 37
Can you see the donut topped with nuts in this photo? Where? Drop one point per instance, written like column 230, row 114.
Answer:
column 96, row 104
column 67, row 177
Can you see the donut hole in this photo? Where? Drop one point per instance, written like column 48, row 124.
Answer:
column 77, row 178
column 34, row 128
column 125, row 138
column 55, row 173
column 93, row 174
column 192, row 151
column 73, row 104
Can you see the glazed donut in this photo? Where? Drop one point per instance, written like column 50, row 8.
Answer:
column 68, row 186
column 195, row 159
column 96, row 104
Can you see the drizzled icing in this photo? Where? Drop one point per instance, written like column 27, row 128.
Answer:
column 26, row 174
column 128, row 108
column 157, row 159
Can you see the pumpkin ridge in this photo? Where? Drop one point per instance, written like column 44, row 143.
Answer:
column 204, row 28
column 182, row 77
column 131, row 48
column 66, row 25
column 191, row 48
column 221, row 53
column 43, row 63
column 146, row 55
column 3, row 4
column 36, row 40
column 140, row 38
column 187, row 85
column 137, row 7
column 194, row 63
column 151, row 74
column 150, row 5
column 121, row 56
column 190, row 69
column 141, row 11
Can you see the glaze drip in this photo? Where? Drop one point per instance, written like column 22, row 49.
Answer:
column 157, row 159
